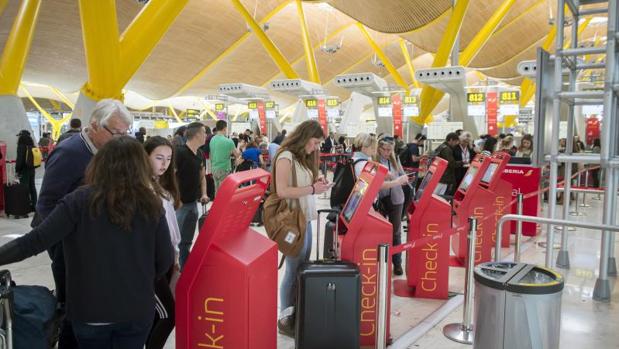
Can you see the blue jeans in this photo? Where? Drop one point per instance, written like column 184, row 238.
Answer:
column 187, row 216
column 123, row 335
column 288, row 287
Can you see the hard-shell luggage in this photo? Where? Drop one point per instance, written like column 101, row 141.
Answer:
column 16, row 199
column 328, row 303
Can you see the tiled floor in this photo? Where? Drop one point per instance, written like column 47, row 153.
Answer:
column 585, row 323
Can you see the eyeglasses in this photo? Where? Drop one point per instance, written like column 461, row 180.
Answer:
column 115, row 134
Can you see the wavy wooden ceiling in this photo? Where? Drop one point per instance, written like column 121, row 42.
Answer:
column 206, row 29
column 392, row 16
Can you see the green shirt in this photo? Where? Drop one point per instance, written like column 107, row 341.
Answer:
column 220, row 149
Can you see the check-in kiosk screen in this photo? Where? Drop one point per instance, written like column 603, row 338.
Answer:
column 355, row 199
column 423, row 185
column 489, row 173
column 468, row 178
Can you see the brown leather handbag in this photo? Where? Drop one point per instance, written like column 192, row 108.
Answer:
column 285, row 225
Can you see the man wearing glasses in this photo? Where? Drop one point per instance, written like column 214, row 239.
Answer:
column 64, row 172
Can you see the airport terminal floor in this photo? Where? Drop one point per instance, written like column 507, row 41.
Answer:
column 418, row 323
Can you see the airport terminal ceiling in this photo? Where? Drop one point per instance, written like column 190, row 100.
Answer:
column 209, row 43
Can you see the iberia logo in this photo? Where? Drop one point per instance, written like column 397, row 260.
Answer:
column 530, row 172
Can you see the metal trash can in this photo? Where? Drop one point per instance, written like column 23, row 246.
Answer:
column 517, row 306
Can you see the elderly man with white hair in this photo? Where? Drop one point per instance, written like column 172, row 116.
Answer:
column 64, row 172
column 464, row 153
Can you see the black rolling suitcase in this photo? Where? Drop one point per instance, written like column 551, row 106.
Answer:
column 328, row 303
column 16, row 199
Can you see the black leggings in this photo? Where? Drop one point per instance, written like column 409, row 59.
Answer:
column 164, row 314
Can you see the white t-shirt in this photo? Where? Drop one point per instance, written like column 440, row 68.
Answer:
column 170, row 215
column 304, row 179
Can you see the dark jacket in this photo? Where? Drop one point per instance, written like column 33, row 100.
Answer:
column 460, row 169
column 110, row 271
column 328, row 145
column 68, row 134
column 64, row 172
column 25, row 159
column 446, row 152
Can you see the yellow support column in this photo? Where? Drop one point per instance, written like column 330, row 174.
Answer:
column 383, row 57
column 17, row 46
column 143, row 34
column 310, row 59
column 100, row 33
column 409, row 62
column 443, row 52
column 485, row 33
column 56, row 124
column 266, row 42
column 62, row 97
column 473, row 48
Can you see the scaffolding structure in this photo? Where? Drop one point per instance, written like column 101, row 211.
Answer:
column 566, row 96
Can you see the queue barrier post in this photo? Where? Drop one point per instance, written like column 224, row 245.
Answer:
column 382, row 289
column 520, row 200
column 463, row 332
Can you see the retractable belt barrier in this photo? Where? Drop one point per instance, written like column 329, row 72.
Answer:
column 411, row 245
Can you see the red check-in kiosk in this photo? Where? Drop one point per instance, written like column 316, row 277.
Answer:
column 365, row 230
column 466, row 204
column 427, row 267
column 474, row 199
column 502, row 190
column 226, row 296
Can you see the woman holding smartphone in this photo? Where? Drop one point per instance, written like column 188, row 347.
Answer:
column 300, row 149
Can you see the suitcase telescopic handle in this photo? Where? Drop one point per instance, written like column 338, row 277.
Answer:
column 335, row 231
column 5, row 278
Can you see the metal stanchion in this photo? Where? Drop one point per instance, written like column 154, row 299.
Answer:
column 463, row 332
column 576, row 212
column 383, row 286
column 584, row 195
column 520, row 200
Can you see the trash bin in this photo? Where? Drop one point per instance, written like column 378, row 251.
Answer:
column 517, row 306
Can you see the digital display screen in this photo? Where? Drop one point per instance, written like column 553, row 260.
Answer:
column 311, row 103
column 410, row 99
column 509, row 97
column 252, row 105
column 475, row 97
column 220, row 106
column 333, row 102
column 468, row 178
column 489, row 173
column 423, row 185
column 384, row 100
column 269, row 104
column 355, row 199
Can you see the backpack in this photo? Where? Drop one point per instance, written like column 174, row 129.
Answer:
column 36, row 157
column 436, row 152
column 343, row 182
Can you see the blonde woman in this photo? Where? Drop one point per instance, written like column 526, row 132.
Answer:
column 391, row 193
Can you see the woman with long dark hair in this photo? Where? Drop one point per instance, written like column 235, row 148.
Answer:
column 161, row 154
column 525, row 150
column 116, row 244
column 300, row 149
